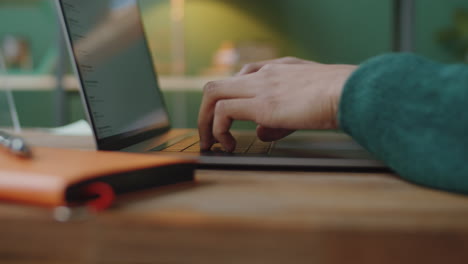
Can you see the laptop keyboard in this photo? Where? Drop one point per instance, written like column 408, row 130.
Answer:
column 245, row 145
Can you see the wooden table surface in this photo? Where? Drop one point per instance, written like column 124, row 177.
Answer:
column 250, row 217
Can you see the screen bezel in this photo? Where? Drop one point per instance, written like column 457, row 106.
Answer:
column 123, row 140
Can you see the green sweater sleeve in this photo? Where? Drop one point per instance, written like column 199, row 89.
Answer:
column 411, row 113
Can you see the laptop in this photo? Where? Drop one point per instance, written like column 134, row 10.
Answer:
column 125, row 107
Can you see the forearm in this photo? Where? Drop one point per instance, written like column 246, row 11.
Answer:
column 410, row 113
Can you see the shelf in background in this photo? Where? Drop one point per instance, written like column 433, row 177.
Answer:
column 70, row 83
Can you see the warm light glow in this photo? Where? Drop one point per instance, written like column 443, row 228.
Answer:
column 177, row 37
column 177, row 10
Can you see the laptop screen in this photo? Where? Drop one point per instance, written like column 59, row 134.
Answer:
column 115, row 68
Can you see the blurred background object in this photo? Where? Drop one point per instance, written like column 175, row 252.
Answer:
column 5, row 116
column 403, row 25
column 455, row 38
column 8, row 114
column 193, row 41
column 16, row 53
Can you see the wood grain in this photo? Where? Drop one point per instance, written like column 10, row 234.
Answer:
column 253, row 217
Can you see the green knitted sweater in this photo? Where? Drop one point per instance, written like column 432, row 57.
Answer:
column 411, row 114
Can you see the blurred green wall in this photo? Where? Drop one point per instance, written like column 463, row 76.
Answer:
column 431, row 17
column 33, row 20
column 330, row 31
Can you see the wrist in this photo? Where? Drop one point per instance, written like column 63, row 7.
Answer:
column 343, row 74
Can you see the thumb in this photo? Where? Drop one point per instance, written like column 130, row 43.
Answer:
column 271, row 134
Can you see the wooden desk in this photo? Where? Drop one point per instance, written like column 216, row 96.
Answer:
column 251, row 217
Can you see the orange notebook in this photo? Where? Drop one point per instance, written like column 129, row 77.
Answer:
column 56, row 177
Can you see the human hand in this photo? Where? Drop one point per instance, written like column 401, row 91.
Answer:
column 279, row 97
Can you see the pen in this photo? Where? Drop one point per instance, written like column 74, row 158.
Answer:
column 15, row 145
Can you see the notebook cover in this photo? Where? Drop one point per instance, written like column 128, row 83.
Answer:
column 54, row 176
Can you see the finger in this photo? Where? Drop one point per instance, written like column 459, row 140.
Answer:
column 251, row 68
column 271, row 134
column 239, row 87
column 256, row 66
column 225, row 112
